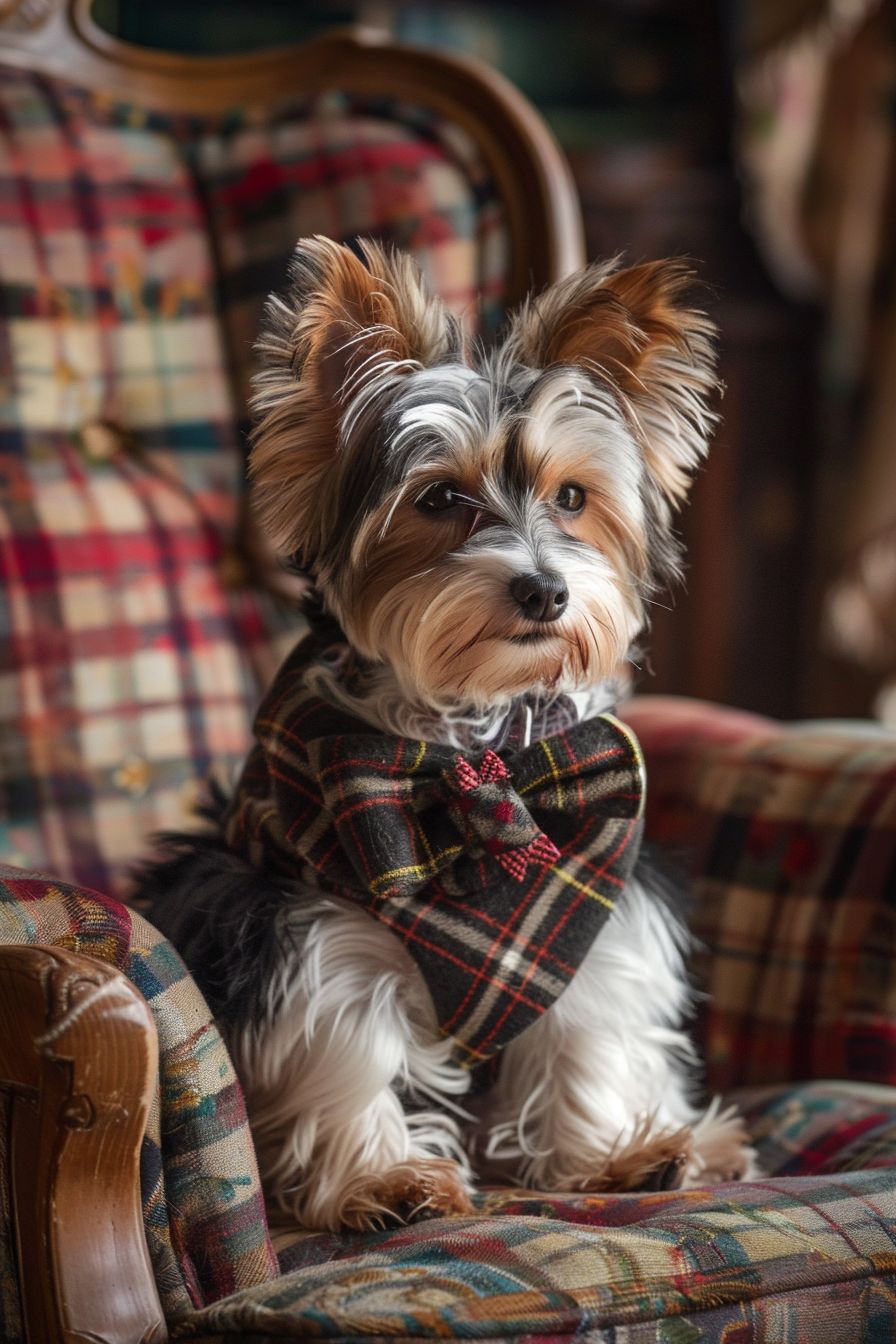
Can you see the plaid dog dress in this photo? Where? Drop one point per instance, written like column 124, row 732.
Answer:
column 497, row 874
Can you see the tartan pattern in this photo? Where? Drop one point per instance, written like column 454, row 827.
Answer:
column 818, row 1128
column 202, row 1202
column 497, row 877
column 348, row 166
column 803, row 1260
column 790, row 835
column 135, row 254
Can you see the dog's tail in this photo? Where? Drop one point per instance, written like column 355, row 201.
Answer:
column 218, row 911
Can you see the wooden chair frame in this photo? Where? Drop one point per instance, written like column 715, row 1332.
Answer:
column 79, row 1062
column 77, row 1043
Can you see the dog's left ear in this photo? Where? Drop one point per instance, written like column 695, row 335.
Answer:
column 635, row 331
column 343, row 336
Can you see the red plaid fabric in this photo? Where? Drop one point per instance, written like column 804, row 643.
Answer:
column 790, row 835
column 135, row 254
column 496, row 876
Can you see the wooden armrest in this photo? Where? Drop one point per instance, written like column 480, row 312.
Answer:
column 79, row 1054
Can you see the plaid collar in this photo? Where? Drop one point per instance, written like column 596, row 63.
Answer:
column 496, row 871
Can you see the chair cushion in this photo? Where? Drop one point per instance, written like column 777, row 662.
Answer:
column 202, row 1202
column 789, row 836
column 135, row 254
column 803, row 1257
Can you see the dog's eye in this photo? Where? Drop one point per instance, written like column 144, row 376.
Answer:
column 439, row 497
column 570, row 498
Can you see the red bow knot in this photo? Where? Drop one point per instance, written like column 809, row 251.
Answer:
column 492, row 771
column 494, row 813
column 541, row 850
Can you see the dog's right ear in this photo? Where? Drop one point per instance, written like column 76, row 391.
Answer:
column 635, row 330
column 343, row 331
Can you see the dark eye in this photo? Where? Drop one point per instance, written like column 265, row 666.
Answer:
column 439, row 497
column 570, row 498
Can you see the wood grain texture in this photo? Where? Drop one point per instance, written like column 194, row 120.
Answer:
column 532, row 176
column 79, row 1053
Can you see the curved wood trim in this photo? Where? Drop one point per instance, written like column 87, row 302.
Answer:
column 532, row 175
column 79, row 1052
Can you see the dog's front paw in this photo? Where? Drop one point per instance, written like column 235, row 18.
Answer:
column 646, row 1162
column 721, row 1150
column 406, row 1193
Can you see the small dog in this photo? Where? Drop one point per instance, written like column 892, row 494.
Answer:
column 418, row 918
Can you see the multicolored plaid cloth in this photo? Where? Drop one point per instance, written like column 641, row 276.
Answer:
column 135, row 254
column 789, row 835
column 202, row 1202
column 496, row 876
column 796, row 1259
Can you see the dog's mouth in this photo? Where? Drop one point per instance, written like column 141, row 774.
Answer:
column 534, row 637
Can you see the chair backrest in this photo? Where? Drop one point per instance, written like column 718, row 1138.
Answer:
column 532, row 179
column 150, row 203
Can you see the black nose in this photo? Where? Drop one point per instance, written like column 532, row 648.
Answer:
column 541, row 597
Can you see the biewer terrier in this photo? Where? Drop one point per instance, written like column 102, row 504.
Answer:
column 418, row 917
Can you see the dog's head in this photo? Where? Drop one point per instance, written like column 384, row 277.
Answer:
column 484, row 523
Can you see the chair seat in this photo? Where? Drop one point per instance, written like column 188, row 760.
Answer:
column 804, row 1254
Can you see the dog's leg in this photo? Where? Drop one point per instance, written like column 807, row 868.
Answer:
column 595, row 1094
column 347, row 1029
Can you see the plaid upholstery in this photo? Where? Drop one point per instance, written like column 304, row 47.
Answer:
column 790, row 835
column 806, row 1259
column 810, row 1129
column 135, row 253
column 809, row 1260
column 202, row 1202
column 348, row 167
column 496, row 879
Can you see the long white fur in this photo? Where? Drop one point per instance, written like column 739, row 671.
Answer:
column 349, row 1023
column 350, row 1050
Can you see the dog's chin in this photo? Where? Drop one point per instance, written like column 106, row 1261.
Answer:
column 499, row 669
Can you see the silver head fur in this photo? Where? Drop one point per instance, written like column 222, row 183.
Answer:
column 483, row 525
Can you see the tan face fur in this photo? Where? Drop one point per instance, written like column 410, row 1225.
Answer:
column 368, row 401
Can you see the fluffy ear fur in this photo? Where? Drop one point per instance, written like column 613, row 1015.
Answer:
column 634, row 330
column 331, row 349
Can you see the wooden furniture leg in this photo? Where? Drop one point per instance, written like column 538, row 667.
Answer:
column 79, row 1055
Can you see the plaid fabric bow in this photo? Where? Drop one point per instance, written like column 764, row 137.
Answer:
column 497, row 874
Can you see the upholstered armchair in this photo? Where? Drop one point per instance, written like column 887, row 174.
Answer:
column 149, row 203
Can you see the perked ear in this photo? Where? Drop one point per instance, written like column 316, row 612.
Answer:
column 634, row 330
column 342, row 332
